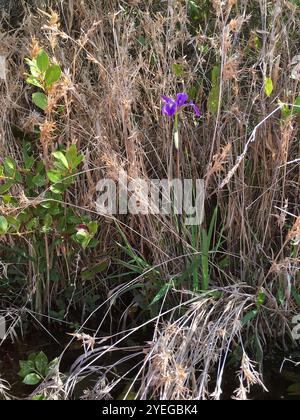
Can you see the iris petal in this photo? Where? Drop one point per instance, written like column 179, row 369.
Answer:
column 196, row 109
column 166, row 99
column 182, row 99
column 170, row 109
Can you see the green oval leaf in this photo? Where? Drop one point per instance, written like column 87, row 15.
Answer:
column 61, row 158
column 269, row 86
column 40, row 100
column 93, row 227
column 31, row 80
column 35, row 71
column 42, row 61
column 13, row 223
column 6, row 187
column 32, row 379
column 3, row 225
column 39, row 180
column 41, row 362
column 54, row 176
column 26, row 367
column 10, row 166
column 52, row 75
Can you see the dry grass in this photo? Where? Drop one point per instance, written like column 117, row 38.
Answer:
column 184, row 352
column 4, row 390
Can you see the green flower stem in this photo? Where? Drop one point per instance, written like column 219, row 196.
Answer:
column 177, row 147
column 176, row 132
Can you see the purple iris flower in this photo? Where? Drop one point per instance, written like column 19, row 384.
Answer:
column 173, row 107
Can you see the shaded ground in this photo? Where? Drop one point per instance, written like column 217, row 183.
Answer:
column 277, row 383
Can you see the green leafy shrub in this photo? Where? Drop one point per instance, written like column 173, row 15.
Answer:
column 34, row 199
column 43, row 74
column 37, row 368
column 45, row 211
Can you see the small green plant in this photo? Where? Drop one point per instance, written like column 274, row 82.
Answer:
column 260, row 300
column 288, row 111
column 37, row 368
column 85, row 234
column 47, row 214
column 65, row 165
column 199, row 12
column 204, row 242
column 44, row 219
column 269, row 86
column 43, row 74
column 39, row 216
